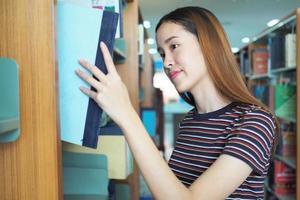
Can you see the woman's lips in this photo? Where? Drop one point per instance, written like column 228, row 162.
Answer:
column 174, row 74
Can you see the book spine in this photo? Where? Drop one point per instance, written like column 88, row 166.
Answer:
column 107, row 35
column 260, row 61
column 290, row 50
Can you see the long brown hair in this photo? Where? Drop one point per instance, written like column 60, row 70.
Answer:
column 219, row 59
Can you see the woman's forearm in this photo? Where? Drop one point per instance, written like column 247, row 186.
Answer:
column 161, row 180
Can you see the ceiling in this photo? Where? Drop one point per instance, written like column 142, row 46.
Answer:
column 240, row 18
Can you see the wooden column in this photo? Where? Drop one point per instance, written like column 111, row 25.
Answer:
column 147, row 79
column 129, row 74
column 30, row 168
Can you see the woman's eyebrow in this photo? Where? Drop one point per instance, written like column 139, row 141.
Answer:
column 167, row 40
column 170, row 38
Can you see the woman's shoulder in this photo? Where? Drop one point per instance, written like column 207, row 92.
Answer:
column 256, row 116
column 247, row 108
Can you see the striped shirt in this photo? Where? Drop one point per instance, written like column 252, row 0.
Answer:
column 243, row 131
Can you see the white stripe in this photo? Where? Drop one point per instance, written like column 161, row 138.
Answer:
column 256, row 182
column 192, row 145
column 185, row 182
column 247, row 190
column 182, row 172
column 222, row 120
column 191, row 164
column 190, row 154
column 198, row 136
column 201, row 127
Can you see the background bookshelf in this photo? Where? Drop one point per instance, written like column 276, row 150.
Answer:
column 269, row 64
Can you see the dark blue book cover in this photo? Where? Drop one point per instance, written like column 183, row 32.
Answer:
column 79, row 32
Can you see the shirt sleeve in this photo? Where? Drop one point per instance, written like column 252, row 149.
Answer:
column 251, row 140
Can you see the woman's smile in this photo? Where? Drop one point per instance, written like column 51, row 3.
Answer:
column 174, row 74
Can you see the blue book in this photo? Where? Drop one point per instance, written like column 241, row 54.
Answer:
column 149, row 120
column 276, row 45
column 79, row 32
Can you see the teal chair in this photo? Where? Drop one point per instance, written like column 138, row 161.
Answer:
column 9, row 101
column 122, row 191
column 85, row 176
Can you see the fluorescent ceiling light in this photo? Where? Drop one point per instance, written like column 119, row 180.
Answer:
column 147, row 24
column 234, row 49
column 246, row 40
column 272, row 22
column 152, row 51
column 150, row 41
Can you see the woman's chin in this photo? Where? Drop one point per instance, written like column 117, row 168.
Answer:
column 181, row 89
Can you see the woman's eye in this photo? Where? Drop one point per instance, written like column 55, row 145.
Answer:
column 174, row 46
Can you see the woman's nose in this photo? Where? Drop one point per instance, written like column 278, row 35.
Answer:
column 168, row 62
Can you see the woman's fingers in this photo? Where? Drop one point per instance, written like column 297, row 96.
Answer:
column 94, row 70
column 89, row 79
column 108, row 59
column 88, row 92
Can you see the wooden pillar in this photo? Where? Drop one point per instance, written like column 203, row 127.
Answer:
column 30, row 168
column 129, row 74
column 147, row 79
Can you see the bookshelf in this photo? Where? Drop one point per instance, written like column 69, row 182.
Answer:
column 270, row 65
column 32, row 166
column 150, row 98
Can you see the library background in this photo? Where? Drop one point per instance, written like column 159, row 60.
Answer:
column 39, row 160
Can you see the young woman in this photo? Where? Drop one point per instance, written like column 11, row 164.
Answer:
column 225, row 143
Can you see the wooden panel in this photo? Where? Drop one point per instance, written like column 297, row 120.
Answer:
column 298, row 107
column 147, row 79
column 30, row 167
column 129, row 74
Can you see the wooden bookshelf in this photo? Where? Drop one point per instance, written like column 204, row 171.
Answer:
column 31, row 167
column 129, row 74
column 286, row 25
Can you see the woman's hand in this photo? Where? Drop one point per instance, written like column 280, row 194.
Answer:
column 111, row 93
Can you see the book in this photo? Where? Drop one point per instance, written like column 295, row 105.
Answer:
column 284, row 179
column 114, row 6
column 290, row 50
column 141, row 44
column 149, row 120
column 285, row 101
column 244, row 63
column 276, row 48
column 104, row 5
column 260, row 58
column 79, row 32
column 288, row 144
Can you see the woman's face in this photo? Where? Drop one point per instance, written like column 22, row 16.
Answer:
column 182, row 56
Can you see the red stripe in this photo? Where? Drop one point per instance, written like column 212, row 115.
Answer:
column 215, row 141
column 209, row 161
column 177, row 164
column 199, row 149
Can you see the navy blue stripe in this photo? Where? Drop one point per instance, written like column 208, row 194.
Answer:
column 94, row 112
